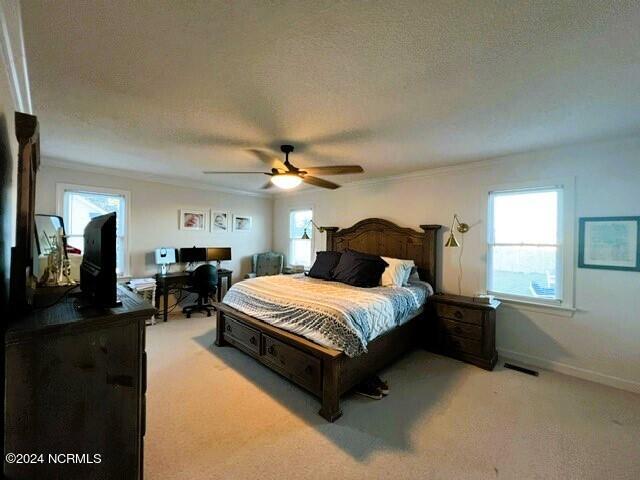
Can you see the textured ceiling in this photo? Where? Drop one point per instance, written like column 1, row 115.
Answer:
column 175, row 88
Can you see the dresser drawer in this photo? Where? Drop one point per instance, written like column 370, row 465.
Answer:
column 239, row 334
column 456, row 344
column 460, row 329
column 460, row 314
column 292, row 363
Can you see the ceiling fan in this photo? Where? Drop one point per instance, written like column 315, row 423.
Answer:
column 285, row 175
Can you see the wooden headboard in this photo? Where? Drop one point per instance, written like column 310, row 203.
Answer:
column 382, row 237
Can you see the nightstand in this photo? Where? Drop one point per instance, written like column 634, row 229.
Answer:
column 464, row 329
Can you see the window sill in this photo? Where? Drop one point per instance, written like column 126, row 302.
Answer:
column 546, row 308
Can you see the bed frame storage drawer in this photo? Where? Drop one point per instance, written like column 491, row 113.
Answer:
column 300, row 367
column 459, row 314
column 241, row 335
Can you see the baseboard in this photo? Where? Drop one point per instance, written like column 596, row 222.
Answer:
column 560, row 367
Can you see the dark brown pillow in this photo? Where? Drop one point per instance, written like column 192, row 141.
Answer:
column 359, row 269
column 324, row 265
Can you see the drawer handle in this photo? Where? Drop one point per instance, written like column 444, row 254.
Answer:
column 458, row 314
column 252, row 340
column 228, row 327
column 457, row 329
column 308, row 370
column 271, row 350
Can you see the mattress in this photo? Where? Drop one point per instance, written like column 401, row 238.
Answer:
column 331, row 314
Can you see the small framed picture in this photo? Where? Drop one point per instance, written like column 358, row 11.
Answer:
column 220, row 221
column 241, row 223
column 611, row 243
column 191, row 219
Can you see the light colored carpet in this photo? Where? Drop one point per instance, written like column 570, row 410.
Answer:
column 216, row 413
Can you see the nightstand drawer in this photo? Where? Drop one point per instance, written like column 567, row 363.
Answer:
column 457, row 344
column 460, row 314
column 460, row 329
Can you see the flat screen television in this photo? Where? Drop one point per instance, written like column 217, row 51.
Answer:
column 98, row 281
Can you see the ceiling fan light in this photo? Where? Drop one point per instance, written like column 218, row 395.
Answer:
column 286, row 181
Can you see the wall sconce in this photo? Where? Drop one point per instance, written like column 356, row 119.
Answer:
column 462, row 228
column 452, row 241
column 305, row 236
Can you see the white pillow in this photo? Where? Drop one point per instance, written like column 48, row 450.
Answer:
column 396, row 273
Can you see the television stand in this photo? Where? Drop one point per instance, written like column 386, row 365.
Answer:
column 65, row 360
column 82, row 302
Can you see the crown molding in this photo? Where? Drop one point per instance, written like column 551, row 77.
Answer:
column 13, row 55
column 146, row 177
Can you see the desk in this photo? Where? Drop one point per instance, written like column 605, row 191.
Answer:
column 177, row 280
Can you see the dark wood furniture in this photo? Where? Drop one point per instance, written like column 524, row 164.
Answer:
column 325, row 372
column 166, row 282
column 76, row 383
column 27, row 133
column 464, row 329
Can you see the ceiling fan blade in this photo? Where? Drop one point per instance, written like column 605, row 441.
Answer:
column 268, row 158
column 232, row 173
column 335, row 170
column 267, row 185
column 319, row 182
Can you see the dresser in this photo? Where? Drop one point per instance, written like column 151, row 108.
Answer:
column 464, row 329
column 77, row 386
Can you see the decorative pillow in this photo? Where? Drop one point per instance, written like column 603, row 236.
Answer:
column 324, row 265
column 359, row 269
column 397, row 272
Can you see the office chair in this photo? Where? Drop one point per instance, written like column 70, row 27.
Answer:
column 204, row 282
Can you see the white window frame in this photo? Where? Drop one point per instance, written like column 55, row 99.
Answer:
column 312, row 243
column 565, row 248
column 61, row 188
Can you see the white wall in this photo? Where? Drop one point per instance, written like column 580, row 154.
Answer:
column 601, row 341
column 154, row 216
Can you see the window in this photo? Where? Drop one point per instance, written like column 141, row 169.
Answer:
column 80, row 204
column 525, row 249
column 300, row 250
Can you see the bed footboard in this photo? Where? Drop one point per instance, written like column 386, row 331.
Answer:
column 325, row 372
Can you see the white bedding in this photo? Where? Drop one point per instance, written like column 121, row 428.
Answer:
column 331, row 314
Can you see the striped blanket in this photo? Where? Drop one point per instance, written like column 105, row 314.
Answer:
column 331, row 314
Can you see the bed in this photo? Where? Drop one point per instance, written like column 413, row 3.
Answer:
column 329, row 365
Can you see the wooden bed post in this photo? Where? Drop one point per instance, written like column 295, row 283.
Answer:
column 431, row 232
column 330, row 231
column 330, row 390
column 220, row 341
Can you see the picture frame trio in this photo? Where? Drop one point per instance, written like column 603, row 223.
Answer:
column 215, row 221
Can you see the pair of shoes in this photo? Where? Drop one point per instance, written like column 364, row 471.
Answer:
column 373, row 388
column 382, row 385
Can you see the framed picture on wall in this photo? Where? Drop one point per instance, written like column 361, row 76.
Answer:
column 191, row 219
column 611, row 243
column 220, row 221
column 241, row 223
